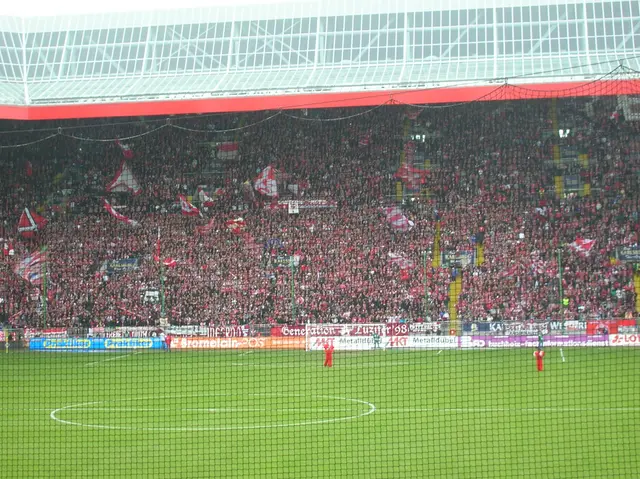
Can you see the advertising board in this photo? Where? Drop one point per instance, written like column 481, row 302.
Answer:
column 295, row 342
column 628, row 254
column 520, row 328
column 93, row 344
column 582, row 340
column 624, row 340
column 366, row 343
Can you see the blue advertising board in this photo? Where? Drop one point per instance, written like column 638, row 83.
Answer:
column 629, row 254
column 484, row 327
column 116, row 266
column 94, row 344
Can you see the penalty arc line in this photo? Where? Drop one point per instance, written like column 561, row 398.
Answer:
column 110, row 359
column 88, row 408
column 371, row 408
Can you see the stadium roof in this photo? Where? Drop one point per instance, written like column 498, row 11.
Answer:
column 122, row 58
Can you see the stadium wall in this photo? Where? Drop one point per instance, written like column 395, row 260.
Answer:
column 342, row 337
column 322, row 100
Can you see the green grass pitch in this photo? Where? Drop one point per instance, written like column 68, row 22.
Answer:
column 381, row 414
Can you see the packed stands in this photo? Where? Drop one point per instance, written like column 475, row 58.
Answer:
column 492, row 194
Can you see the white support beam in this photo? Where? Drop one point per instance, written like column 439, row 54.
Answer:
column 552, row 28
column 101, row 50
column 462, row 34
column 145, row 56
column 496, row 50
column 231, row 53
column 25, row 78
column 270, row 42
column 585, row 36
column 320, row 56
column 42, row 59
column 365, row 49
column 635, row 30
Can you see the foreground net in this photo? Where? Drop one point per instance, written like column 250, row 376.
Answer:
column 401, row 291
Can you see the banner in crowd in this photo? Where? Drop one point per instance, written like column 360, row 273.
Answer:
column 117, row 266
column 195, row 330
column 582, row 340
column 126, row 332
column 572, row 183
column 347, row 329
column 45, row 333
column 284, row 261
column 624, row 340
column 384, row 329
column 366, row 343
column 238, row 343
column 499, row 327
column 628, row 254
column 94, row 344
column 303, row 204
column 457, row 258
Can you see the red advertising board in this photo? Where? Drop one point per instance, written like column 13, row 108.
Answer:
column 197, row 342
column 611, row 326
column 287, row 331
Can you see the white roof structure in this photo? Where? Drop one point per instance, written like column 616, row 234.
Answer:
column 52, row 53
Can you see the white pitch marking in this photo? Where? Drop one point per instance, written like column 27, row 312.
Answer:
column 287, row 410
column 110, row 359
column 510, row 409
column 562, row 354
column 342, row 364
column 248, row 352
column 439, row 353
column 371, row 409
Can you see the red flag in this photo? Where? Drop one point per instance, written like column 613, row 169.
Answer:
column 206, row 228
column 29, row 268
column 116, row 215
column 582, row 246
column 236, row 225
column 397, row 219
column 30, row 223
column 413, row 113
column 266, row 183
column 411, row 177
column 400, row 261
column 170, row 263
column 124, row 181
column 204, row 198
column 228, row 150
column 127, row 152
column 187, row 208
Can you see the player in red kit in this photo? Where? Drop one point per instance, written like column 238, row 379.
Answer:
column 328, row 355
column 167, row 342
column 539, row 355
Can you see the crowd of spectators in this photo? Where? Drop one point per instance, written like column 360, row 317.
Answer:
column 490, row 179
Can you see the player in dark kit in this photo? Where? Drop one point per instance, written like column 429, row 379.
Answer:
column 328, row 355
column 539, row 355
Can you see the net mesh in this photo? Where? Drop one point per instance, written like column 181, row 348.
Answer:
column 398, row 291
